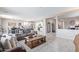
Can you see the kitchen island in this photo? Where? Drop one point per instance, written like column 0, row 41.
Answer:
column 67, row 33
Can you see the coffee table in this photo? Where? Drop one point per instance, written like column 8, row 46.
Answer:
column 35, row 41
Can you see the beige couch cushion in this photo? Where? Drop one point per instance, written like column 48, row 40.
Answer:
column 7, row 44
column 13, row 43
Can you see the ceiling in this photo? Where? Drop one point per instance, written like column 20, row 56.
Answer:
column 31, row 13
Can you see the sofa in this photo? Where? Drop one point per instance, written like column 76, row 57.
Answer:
column 21, row 36
column 11, row 49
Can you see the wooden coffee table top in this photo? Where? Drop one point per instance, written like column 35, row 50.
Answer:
column 34, row 38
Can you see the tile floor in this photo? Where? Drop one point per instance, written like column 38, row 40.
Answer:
column 53, row 44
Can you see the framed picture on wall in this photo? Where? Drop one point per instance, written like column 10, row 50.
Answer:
column 72, row 22
column 60, row 24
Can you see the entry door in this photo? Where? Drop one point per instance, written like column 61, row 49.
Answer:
column 48, row 27
column 53, row 27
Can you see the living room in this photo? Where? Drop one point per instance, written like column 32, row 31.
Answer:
column 38, row 29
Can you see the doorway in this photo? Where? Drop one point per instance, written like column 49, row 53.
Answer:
column 53, row 28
